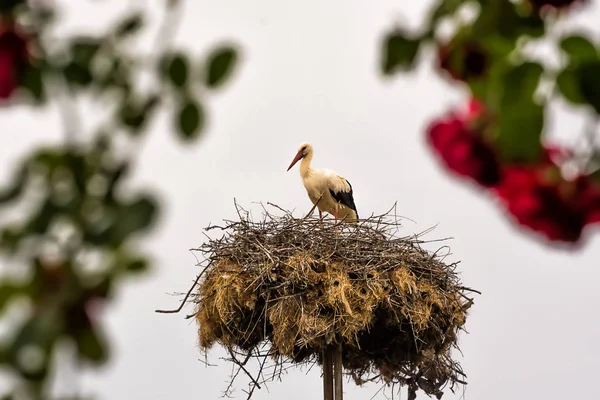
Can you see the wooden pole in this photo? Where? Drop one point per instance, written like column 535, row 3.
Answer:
column 328, row 374
column 337, row 367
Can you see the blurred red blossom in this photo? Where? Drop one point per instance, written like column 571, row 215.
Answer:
column 539, row 203
column 13, row 58
column 540, row 198
column 459, row 143
column 536, row 194
column 589, row 198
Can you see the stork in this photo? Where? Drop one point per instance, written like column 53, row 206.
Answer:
column 331, row 192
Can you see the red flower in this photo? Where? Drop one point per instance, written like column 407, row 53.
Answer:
column 540, row 198
column 541, row 203
column 463, row 61
column 462, row 148
column 13, row 59
column 588, row 198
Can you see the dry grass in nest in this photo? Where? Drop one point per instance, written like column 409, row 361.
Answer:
column 283, row 288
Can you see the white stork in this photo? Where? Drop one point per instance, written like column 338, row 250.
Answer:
column 333, row 190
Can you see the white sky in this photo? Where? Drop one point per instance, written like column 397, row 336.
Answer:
column 309, row 73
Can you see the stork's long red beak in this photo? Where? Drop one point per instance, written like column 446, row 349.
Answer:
column 298, row 157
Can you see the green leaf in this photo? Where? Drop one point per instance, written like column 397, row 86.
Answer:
column 190, row 120
column 178, row 70
column 134, row 217
column 442, row 9
column 498, row 47
column 78, row 70
column 138, row 266
column 104, row 288
column 519, row 132
column 399, row 53
column 7, row 6
column 92, row 346
column 129, row 25
column 40, row 221
column 589, row 83
column 490, row 89
column 123, row 221
column 84, row 49
column 580, row 83
column 14, row 190
column 521, row 82
column 445, row 8
column 49, row 158
column 567, row 82
column 595, row 175
column 132, row 116
column 114, row 177
column 7, row 292
column 33, row 83
column 10, row 237
column 78, row 165
column 503, row 18
column 78, row 74
column 578, row 48
column 220, row 65
column 521, row 120
column 40, row 332
column 131, row 263
column 116, row 76
column 141, row 213
column 135, row 112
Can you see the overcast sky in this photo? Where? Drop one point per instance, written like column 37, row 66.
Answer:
column 309, row 73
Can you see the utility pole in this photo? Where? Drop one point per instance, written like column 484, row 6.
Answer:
column 328, row 374
column 337, row 369
column 332, row 373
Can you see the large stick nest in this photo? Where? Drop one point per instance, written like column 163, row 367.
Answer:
column 295, row 286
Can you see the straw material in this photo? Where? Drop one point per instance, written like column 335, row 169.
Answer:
column 285, row 288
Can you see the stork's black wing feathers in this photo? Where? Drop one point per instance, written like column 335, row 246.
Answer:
column 345, row 198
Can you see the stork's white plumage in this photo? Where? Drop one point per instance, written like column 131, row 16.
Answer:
column 333, row 190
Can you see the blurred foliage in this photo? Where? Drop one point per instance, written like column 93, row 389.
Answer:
column 484, row 48
column 219, row 65
column 74, row 244
column 488, row 54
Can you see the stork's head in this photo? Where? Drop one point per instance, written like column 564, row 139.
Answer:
column 304, row 150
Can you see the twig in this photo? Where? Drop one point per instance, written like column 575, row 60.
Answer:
column 241, row 365
column 188, row 294
column 469, row 289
